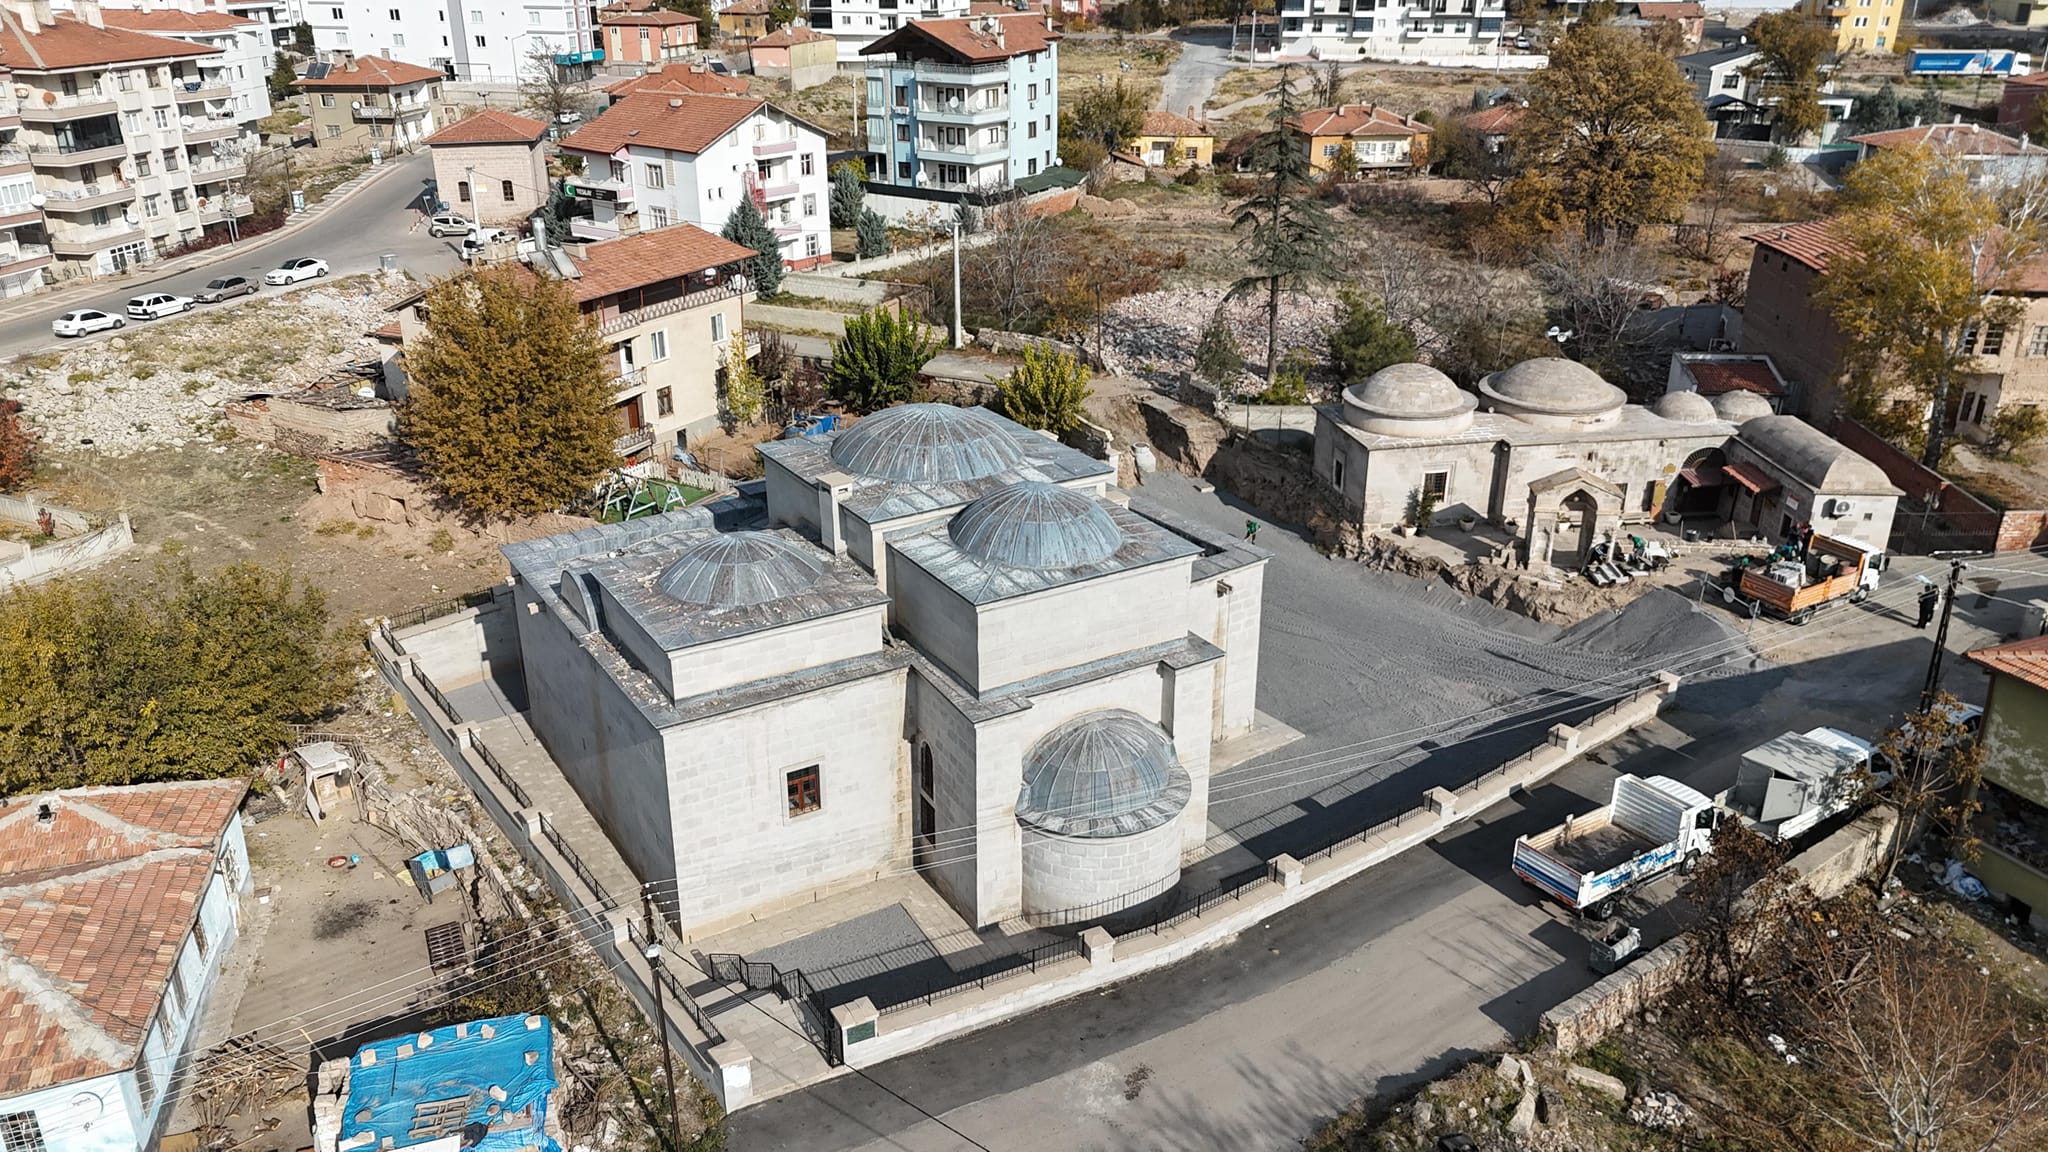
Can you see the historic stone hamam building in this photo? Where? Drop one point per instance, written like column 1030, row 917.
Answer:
column 940, row 640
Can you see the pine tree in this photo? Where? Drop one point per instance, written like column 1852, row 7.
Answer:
column 1217, row 359
column 745, row 227
column 876, row 362
column 1045, row 392
column 1881, row 111
column 1287, row 232
column 1928, row 109
column 870, row 235
column 1365, row 341
column 848, row 193
column 510, row 397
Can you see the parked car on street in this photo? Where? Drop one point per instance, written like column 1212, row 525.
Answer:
column 82, row 321
column 158, row 305
column 226, row 288
column 294, row 270
column 449, row 224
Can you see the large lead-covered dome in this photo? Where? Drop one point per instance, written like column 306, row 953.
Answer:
column 1107, row 773
column 1036, row 525
column 1409, row 400
column 927, row 444
column 1553, row 392
column 737, row 569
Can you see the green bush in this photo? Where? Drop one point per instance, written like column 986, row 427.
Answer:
column 1365, row 342
column 876, row 363
column 1046, row 391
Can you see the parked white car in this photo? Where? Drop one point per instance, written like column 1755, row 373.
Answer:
column 83, row 321
column 449, row 224
column 158, row 305
column 293, row 271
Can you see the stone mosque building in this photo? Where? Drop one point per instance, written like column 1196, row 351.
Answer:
column 939, row 641
column 1555, row 454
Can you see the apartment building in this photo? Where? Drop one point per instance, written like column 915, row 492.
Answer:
column 247, row 53
column 1865, row 25
column 1391, row 29
column 474, row 41
column 856, row 24
column 963, row 105
column 24, row 245
column 365, row 102
column 131, row 137
column 655, row 36
column 653, row 161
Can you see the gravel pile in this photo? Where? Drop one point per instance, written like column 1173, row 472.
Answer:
column 1155, row 334
column 1663, row 626
column 163, row 383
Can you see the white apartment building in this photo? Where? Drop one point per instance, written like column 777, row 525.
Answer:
column 855, row 24
column 1391, row 29
column 654, row 160
column 247, row 54
column 964, row 105
column 133, row 139
column 24, row 246
column 474, row 41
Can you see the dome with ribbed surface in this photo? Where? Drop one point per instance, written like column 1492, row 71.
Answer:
column 738, row 569
column 927, row 444
column 1107, row 773
column 1686, row 408
column 1036, row 525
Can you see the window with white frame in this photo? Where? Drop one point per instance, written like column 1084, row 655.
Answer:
column 718, row 327
column 20, row 1132
column 810, row 204
column 654, row 176
column 657, row 344
column 657, row 216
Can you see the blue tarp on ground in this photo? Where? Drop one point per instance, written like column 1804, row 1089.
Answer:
column 487, row 1082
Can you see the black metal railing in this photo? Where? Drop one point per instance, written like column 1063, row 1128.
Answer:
column 576, row 863
column 1342, row 842
column 1230, row 888
column 994, row 970
column 497, row 768
column 813, row 1012
column 442, row 701
column 390, row 638
column 439, row 608
column 674, row 987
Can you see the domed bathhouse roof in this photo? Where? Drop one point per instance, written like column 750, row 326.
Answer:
column 1409, row 400
column 736, row 569
column 927, row 444
column 1102, row 774
column 1741, row 407
column 1033, row 524
column 1553, row 392
column 1811, row 456
column 1686, row 408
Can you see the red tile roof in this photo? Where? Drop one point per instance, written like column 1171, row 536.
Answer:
column 1357, row 120
column 784, row 37
column 1808, row 243
column 693, row 78
column 747, row 8
column 2030, row 80
column 71, row 43
column 372, row 72
column 1158, row 123
column 1671, row 10
column 2022, row 660
column 1714, row 377
column 1949, row 140
column 659, row 19
column 172, row 20
column 651, row 258
column 94, row 908
column 1750, row 476
column 972, row 40
column 1498, row 119
column 490, row 127
column 678, row 121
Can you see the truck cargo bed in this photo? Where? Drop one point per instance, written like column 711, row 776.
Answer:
column 1598, row 849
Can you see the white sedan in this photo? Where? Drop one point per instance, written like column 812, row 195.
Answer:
column 293, row 271
column 158, row 305
column 84, row 321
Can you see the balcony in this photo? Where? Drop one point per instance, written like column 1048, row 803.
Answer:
column 217, row 209
column 775, row 192
column 632, row 443
column 631, row 380
column 603, row 191
column 17, row 219
column 86, row 241
column 90, row 152
column 963, row 111
column 212, row 130
column 194, row 91
column 89, row 197
column 933, row 148
column 56, row 108
column 218, row 171
column 23, row 257
column 386, row 112
column 776, row 148
column 13, row 160
column 981, row 73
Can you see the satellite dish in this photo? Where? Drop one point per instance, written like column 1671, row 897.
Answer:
column 185, row 121
column 355, row 104
column 38, row 200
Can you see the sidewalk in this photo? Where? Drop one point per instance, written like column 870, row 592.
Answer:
column 57, row 298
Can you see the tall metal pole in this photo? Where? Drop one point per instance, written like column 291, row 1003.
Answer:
column 1948, row 607
column 668, row 1065
column 958, row 343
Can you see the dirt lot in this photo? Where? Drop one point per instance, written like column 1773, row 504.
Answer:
column 1086, row 62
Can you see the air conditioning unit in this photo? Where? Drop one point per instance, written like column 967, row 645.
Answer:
column 1836, row 509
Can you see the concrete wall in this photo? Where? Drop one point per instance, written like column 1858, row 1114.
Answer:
column 26, row 509
column 70, row 555
column 791, row 501
column 951, row 863
column 2016, row 738
column 1230, row 621
column 523, row 165
column 461, row 648
column 1028, row 636
column 939, row 621
column 1068, row 877
column 775, row 652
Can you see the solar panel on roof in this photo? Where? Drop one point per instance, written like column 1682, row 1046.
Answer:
column 317, row 71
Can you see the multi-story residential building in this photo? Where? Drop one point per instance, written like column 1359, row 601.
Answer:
column 1381, row 140
column 1864, row 25
column 656, row 36
column 474, row 41
column 121, row 906
column 364, row 102
column 133, row 138
column 276, row 16
column 1723, row 71
column 963, row 105
column 653, row 161
column 493, row 162
column 1392, row 29
column 857, row 24
column 247, row 54
column 24, row 246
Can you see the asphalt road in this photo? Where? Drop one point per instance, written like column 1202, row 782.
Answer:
column 352, row 236
column 1374, row 985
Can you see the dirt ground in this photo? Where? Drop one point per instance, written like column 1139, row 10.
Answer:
column 1086, row 62
column 2016, row 483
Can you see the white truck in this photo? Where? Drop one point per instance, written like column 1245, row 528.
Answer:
column 1649, row 827
column 1785, row 787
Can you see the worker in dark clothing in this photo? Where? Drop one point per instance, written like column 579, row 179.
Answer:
column 1930, row 599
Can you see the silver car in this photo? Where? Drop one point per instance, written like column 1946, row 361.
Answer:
column 226, row 288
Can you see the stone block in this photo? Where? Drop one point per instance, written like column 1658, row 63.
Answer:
column 1599, row 1082
column 1523, row 1121
column 858, row 1023
column 1441, row 802
column 1098, row 946
column 1667, row 683
column 735, row 1066
column 1285, row 870
column 1564, row 736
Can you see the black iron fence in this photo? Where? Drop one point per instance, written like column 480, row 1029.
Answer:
column 813, row 1012
column 576, row 864
column 439, row 608
column 497, row 768
column 441, row 701
column 994, row 970
column 675, row 990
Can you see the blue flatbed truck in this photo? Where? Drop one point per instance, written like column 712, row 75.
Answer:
column 1650, row 826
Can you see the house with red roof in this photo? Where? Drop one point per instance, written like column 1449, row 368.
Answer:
column 118, row 907
column 1990, row 156
column 2012, row 828
column 656, row 160
column 970, row 105
column 646, row 35
column 489, row 166
column 237, row 85
column 360, row 103
column 686, row 79
column 1380, row 139
column 798, row 53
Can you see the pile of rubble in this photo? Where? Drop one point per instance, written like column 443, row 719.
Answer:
column 164, row 383
column 1155, row 333
column 1660, row 1111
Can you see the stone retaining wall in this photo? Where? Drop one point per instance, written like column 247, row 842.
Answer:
column 30, row 565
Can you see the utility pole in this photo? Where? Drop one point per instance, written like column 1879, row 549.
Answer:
column 476, row 218
column 1948, row 607
column 958, row 343
column 668, row 1065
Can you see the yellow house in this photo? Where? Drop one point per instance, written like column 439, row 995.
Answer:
column 744, row 20
column 1165, row 140
column 1380, row 140
column 1859, row 25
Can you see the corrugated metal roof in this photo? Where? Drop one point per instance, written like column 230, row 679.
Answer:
column 1107, row 773
column 1034, row 524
